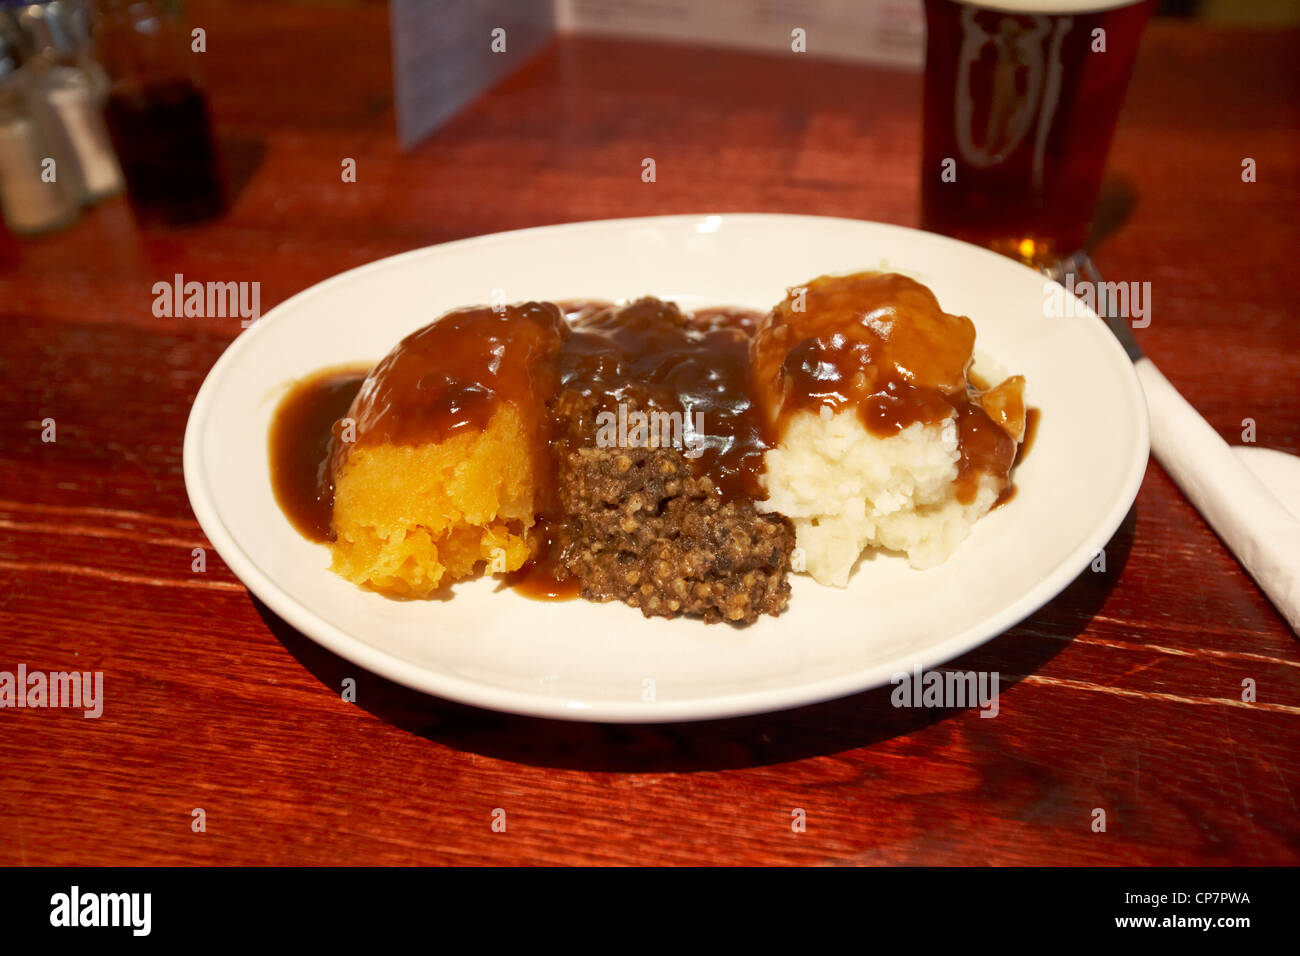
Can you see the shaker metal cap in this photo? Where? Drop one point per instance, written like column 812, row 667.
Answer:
column 58, row 25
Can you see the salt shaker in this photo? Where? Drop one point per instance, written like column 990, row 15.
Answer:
column 68, row 91
column 33, row 198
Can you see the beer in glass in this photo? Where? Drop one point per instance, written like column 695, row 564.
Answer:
column 1021, row 98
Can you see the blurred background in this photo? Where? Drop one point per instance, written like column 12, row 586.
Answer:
column 106, row 97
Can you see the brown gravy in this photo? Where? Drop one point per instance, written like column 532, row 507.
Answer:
column 878, row 343
column 875, row 342
column 300, row 440
column 542, row 578
column 451, row 375
column 675, row 362
column 1032, row 418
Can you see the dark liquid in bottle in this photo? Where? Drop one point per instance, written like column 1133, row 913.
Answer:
column 163, row 137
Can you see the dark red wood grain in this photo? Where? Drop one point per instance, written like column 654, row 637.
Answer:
column 1122, row 694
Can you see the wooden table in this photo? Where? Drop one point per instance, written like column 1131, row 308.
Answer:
column 1124, row 694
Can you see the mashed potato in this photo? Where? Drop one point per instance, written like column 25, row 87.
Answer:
column 881, row 439
column 846, row 490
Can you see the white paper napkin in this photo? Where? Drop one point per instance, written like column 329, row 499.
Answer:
column 1262, row 533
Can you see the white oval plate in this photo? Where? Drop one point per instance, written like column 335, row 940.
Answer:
column 578, row 660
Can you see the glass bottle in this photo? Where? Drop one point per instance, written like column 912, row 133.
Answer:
column 157, row 113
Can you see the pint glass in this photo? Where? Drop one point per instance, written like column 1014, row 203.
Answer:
column 1021, row 98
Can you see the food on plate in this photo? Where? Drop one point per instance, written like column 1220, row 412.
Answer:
column 682, row 463
column 436, row 470
column 881, row 440
column 664, row 520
